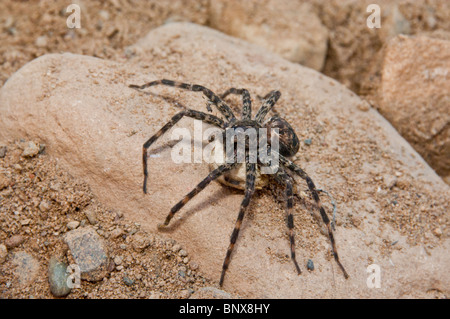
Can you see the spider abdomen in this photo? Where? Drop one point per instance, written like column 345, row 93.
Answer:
column 288, row 140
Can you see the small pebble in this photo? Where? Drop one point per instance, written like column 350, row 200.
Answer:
column 116, row 233
column 310, row 265
column 30, row 150
column 57, row 278
column 128, row 281
column 3, row 150
column 25, row 222
column 185, row 293
column 194, row 266
column 363, row 106
column 73, row 224
column 118, row 260
column 14, row 241
column 183, row 253
column 308, row 141
column 44, row 206
column 55, row 186
column 437, row 232
column 389, row 181
column 91, row 216
column 3, row 253
column 41, row 41
column 103, row 14
column 4, row 181
column 140, row 242
column 356, row 221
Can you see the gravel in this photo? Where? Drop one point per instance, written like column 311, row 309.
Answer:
column 32, row 247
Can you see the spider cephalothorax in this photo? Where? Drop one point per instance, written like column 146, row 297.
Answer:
column 232, row 172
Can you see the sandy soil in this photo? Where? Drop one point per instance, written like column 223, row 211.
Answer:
column 37, row 201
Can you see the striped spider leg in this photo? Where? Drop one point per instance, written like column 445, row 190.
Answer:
column 300, row 172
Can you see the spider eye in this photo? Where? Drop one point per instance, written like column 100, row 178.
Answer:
column 288, row 140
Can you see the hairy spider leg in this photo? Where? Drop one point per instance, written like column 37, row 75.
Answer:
column 262, row 98
column 246, row 101
column 269, row 101
column 217, row 101
column 286, row 180
column 201, row 186
column 208, row 118
column 300, row 172
column 249, row 190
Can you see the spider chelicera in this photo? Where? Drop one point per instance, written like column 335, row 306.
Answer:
column 288, row 147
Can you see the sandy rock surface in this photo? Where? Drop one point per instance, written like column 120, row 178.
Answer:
column 390, row 203
column 409, row 63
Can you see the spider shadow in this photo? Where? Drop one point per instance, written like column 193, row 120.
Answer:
column 165, row 146
column 171, row 143
column 168, row 99
column 214, row 198
column 178, row 104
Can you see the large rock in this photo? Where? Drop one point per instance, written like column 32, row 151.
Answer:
column 415, row 95
column 294, row 32
column 82, row 109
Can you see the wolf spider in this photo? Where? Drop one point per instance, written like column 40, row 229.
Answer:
column 288, row 146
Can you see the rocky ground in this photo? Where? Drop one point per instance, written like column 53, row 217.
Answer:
column 48, row 211
column 57, row 192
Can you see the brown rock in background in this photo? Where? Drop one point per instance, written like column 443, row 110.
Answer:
column 415, row 95
column 288, row 28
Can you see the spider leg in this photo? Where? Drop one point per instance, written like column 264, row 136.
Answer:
column 262, row 98
column 249, row 190
column 300, row 172
column 208, row 118
column 205, row 182
column 246, row 101
column 269, row 101
column 285, row 179
column 217, row 101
